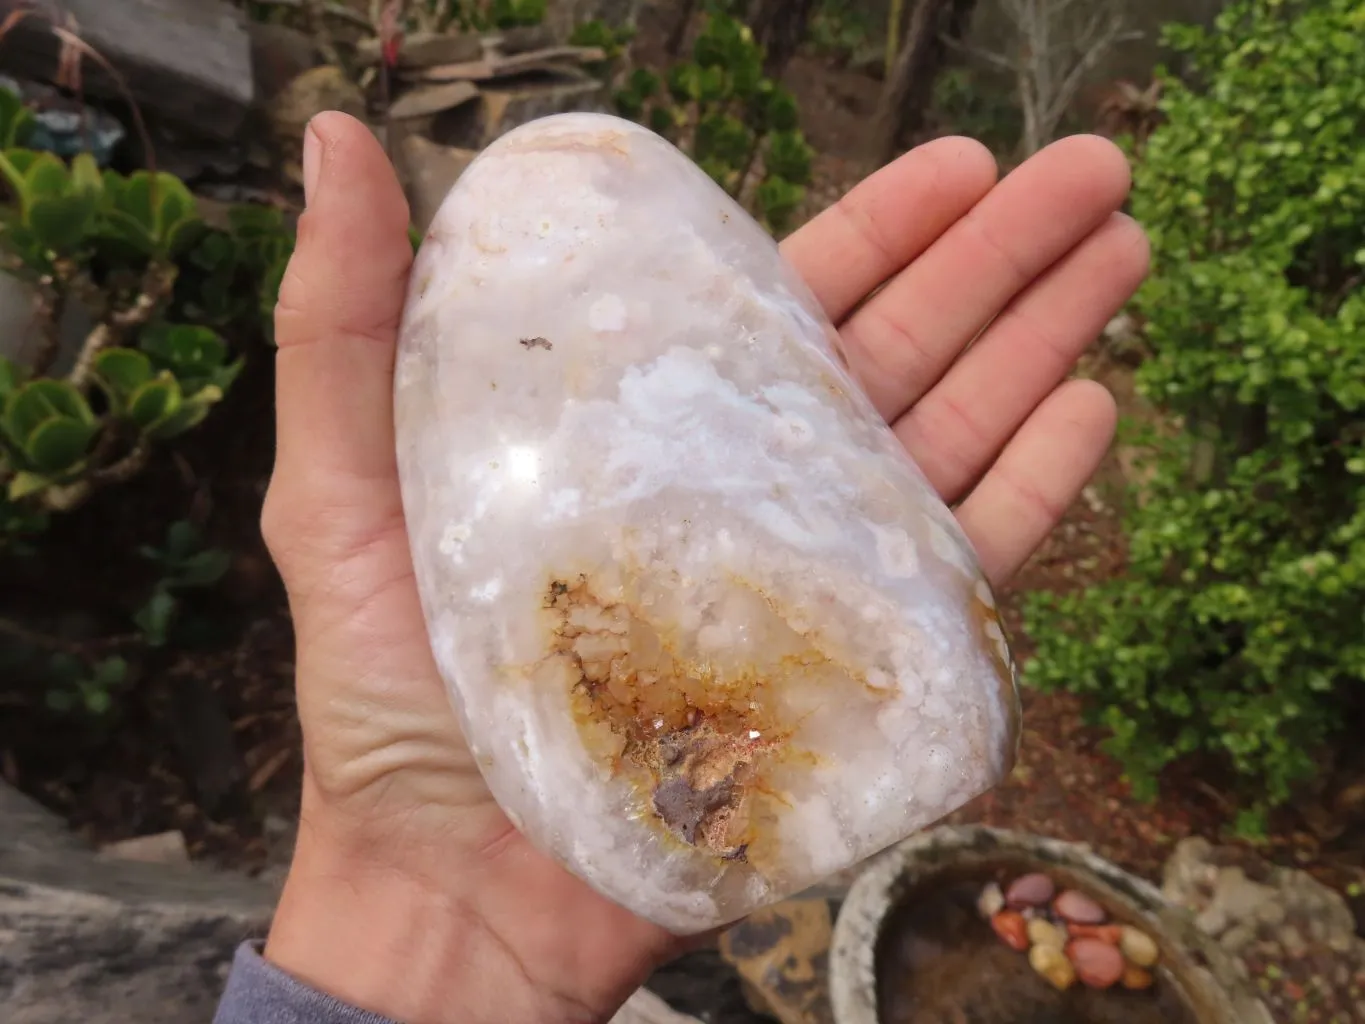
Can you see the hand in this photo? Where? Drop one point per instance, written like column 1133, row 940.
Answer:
column 411, row 894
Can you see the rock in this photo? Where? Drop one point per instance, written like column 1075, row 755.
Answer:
column 279, row 54
column 1098, row 964
column 1108, row 933
column 1136, row 978
column 1291, row 940
column 93, row 939
column 426, row 49
column 657, row 526
column 501, row 110
column 1138, row 947
column 1030, row 890
column 185, row 60
column 1045, row 933
column 1052, row 964
column 1187, row 874
column 162, row 848
column 991, row 900
column 63, row 127
column 1235, row 898
column 1238, row 938
column 703, row 985
column 781, row 952
column 644, row 1007
column 518, row 39
column 1076, row 907
column 316, row 90
column 1012, row 929
column 556, row 62
column 428, row 172
column 21, row 326
column 425, row 101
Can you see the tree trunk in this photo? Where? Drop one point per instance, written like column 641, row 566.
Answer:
column 679, row 33
column 779, row 26
column 908, row 92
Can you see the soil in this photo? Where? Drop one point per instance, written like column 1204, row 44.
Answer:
column 206, row 741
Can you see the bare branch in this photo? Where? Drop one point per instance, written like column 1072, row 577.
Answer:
column 980, row 53
column 1058, row 47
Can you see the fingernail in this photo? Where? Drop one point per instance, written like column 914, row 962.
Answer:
column 312, row 163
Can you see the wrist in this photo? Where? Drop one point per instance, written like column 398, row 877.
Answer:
column 395, row 944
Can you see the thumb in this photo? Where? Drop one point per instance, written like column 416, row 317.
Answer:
column 334, row 490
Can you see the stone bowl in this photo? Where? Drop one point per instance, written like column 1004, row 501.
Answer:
column 1196, row 981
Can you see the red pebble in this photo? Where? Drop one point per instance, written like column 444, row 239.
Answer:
column 1012, row 929
column 1110, row 933
column 1078, row 908
column 1097, row 963
column 1030, row 890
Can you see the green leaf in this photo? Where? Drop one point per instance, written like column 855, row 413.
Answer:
column 196, row 355
column 16, row 120
column 86, row 176
column 132, row 198
column 47, row 177
column 25, row 483
column 154, row 618
column 187, row 414
column 11, row 166
column 11, row 376
column 154, row 401
column 60, row 223
column 39, row 401
column 202, row 569
column 59, row 444
column 121, row 371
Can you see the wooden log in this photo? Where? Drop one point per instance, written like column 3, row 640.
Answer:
column 188, row 61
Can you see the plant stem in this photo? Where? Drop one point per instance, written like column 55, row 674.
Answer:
column 893, row 34
column 48, row 642
column 69, row 496
column 157, row 282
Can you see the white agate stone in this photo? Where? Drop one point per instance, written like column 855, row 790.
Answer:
column 710, row 633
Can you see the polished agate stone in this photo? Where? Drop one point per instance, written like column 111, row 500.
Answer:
column 710, row 633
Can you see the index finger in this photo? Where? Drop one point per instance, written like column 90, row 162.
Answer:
column 888, row 220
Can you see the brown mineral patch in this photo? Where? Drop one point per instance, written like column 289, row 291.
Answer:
column 530, row 343
column 700, row 747
column 987, row 619
column 608, row 140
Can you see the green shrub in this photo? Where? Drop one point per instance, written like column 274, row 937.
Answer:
column 1238, row 628
column 159, row 285
column 741, row 128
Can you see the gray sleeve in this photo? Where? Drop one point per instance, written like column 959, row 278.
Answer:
column 258, row 992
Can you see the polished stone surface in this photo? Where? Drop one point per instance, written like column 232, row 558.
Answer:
column 711, row 634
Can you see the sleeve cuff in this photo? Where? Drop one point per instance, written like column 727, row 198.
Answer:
column 258, row 992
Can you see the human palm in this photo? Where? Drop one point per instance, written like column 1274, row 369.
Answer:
column 964, row 304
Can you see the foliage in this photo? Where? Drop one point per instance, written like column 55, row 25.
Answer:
column 133, row 253
column 86, row 680
column 973, row 102
column 1238, row 628
column 840, row 30
column 719, row 108
column 185, row 564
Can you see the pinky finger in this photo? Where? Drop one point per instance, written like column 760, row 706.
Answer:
column 1036, row 478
